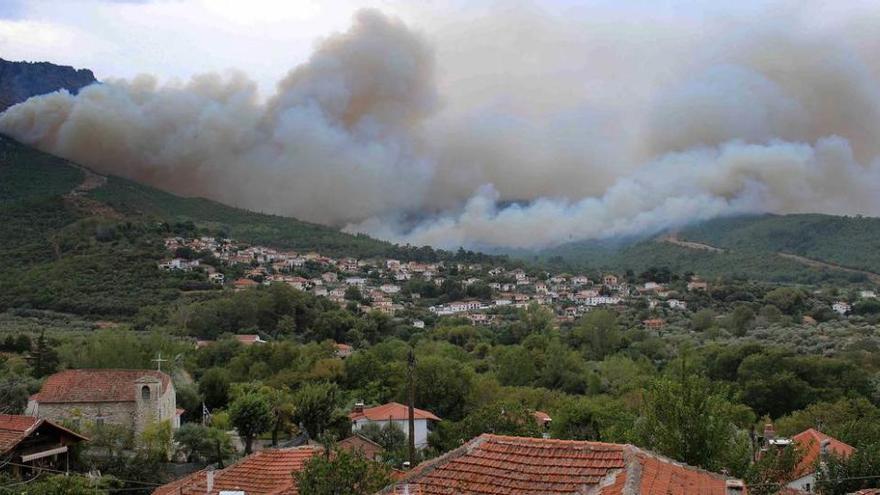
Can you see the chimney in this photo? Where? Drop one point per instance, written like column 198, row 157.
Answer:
column 769, row 433
column 824, row 449
column 359, row 406
column 209, row 481
column 734, row 487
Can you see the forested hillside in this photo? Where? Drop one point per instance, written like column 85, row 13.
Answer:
column 81, row 243
column 750, row 247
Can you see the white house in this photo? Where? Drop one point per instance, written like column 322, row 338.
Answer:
column 393, row 413
column 676, row 304
column 841, row 307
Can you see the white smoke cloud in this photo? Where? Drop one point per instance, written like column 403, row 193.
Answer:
column 518, row 129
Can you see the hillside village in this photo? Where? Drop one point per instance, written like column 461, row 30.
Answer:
column 480, row 293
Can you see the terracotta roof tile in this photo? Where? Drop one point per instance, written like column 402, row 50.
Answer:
column 392, row 410
column 810, row 443
column 495, row 465
column 110, row 385
column 267, row 472
column 15, row 428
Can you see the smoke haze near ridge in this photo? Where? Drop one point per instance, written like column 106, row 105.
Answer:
column 517, row 129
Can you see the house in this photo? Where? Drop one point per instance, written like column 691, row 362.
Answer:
column 133, row 399
column 395, row 413
column 249, row 339
column 610, row 281
column 31, row 442
column 544, row 420
column 390, row 288
column 342, row 350
column 217, row 278
column 697, row 284
column 244, row 283
column 867, row 294
column 676, row 304
column 653, row 324
column 267, row 472
column 814, row 446
column 418, row 324
column 503, row 464
column 362, row 445
column 841, row 307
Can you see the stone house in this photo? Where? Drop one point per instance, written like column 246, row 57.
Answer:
column 133, row 399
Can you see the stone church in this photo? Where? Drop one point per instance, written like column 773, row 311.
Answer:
column 133, row 399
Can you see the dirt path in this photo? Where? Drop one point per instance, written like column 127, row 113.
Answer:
column 812, row 263
column 78, row 196
column 873, row 277
column 673, row 239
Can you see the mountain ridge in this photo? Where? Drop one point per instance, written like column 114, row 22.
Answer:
column 21, row 80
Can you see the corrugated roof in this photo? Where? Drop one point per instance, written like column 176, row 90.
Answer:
column 392, row 410
column 267, row 472
column 495, row 465
column 110, row 385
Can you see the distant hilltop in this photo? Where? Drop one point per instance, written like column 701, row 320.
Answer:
column 21, row 80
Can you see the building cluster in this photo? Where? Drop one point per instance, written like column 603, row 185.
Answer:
column 381, row 283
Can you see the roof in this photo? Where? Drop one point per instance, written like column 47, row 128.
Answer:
column 392, row 411
column 15, row 428
column 110, row 385
column 541, row 417
column 267, row 472
column 493, row 464
column 810, row 443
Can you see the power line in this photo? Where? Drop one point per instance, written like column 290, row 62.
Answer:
column 55, row 471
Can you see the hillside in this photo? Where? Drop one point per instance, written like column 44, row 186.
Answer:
column 78, row 242
column 776, row 248
column 21, row 80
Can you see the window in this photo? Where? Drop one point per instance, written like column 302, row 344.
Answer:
column 145, row 392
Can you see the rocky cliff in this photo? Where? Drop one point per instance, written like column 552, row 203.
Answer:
column 21, row 80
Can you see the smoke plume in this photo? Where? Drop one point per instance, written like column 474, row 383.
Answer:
column 514, row 130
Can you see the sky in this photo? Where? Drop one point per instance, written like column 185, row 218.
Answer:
column 477, row 123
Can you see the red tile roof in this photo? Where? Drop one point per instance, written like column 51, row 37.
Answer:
column 541, row 417
column 810, row 443
column 95, row 385
column 267, row 472
column 495, row 465
column 15, row 428
column 392, row 410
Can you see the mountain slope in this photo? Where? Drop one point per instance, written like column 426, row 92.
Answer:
column 21, row 80
column 777, row 248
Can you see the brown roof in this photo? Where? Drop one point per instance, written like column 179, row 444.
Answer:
column 95, row 385
column 267, row 472
column 810, row 443
column 494, row 465
column 392, row 410
column 362, row 444
column 15, row 428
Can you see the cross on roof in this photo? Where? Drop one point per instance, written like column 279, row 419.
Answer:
column 159, row 362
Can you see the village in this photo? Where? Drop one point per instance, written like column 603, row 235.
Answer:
column 480, row 293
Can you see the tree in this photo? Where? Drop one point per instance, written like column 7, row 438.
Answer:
column 789, row 300
column 773, row 470
column 45, row 358
column 251, row 415
column 314, row 406
column 214, row 387
column 442, row 386
column 739, row 320
column 352, row 293
column 343, row 473
column 502, row 417
column 703, row 320
column 200, row 443
column 687, row 418
column 842, row 475
column 597, row 334
column 600, row 419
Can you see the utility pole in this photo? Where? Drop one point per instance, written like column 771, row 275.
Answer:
column 412, row 398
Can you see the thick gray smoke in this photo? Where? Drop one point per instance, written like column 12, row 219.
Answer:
column 517, row 130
